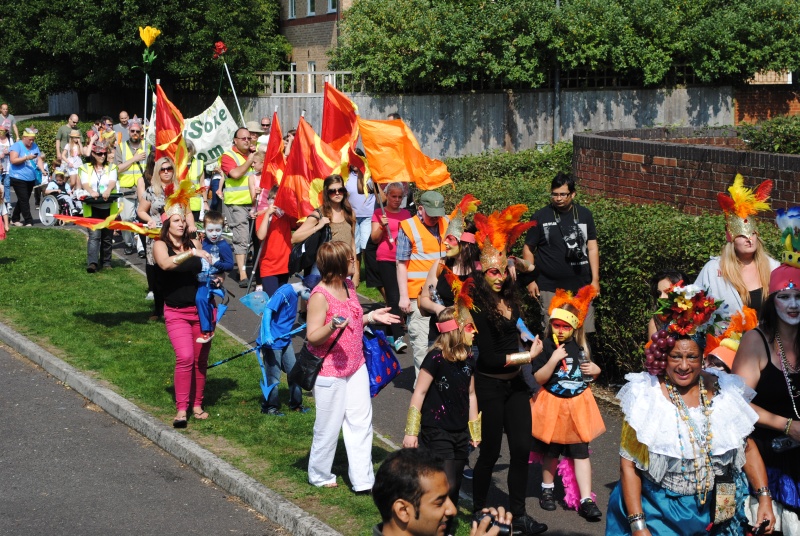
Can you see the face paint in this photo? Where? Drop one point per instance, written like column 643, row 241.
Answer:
column 469, row 334
column 787, row 305
column 562, row 330
column 451, row 246
column 213, row 232
column 495, row 279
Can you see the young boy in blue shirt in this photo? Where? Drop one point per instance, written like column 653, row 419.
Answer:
column 276, row 347
column 213, row 275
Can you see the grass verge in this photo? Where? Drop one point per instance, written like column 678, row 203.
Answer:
column 98, row 323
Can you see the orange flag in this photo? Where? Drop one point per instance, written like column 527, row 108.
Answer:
column 339, row 119
column 394, row 155
column 169, row 134
column 310, row 160
column 274, row 159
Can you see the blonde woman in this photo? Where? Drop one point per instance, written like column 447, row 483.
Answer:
column 72, row 156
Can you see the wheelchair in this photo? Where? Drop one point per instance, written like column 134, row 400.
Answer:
column 49, row 207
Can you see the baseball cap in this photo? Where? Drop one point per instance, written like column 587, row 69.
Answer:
column 433, row 203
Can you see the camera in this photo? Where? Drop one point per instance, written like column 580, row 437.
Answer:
column 574, row 242
column 782, row 444
column 505, row 530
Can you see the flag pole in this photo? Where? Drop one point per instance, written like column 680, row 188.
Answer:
column 230, row 80
column 257, row 261
column 145, row 98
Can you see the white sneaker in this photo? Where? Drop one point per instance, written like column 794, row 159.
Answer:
column 150, row 296
column 400, row 345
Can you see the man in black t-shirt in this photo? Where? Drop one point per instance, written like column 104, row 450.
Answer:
column 564, row 244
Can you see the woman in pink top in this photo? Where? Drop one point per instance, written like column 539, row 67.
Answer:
column 342, row 389
column 387, row 252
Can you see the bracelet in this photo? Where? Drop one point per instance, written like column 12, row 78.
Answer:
column 639, row 524
column 413, row 421
column 370, row 318
column 788, row 427
column 763, row 491
column 520, row 358
column 635, row 517
column 182, row 257
column 475, row 428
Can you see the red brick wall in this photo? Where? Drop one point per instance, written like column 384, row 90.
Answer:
column 754, row 103
column 654, row 165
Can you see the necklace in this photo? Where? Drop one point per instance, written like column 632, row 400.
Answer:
column 701, row 445
column 793, row 393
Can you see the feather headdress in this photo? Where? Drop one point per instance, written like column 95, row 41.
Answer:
column 579, row 301
column 497, row 232
column 741, row 204
column 468, row 205
column 178, row 198
column 725, row 346
column 788, row 221
column 462, row 291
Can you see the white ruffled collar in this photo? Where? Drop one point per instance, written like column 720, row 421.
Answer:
column 654, row 419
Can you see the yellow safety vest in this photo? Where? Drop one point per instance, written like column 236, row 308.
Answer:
column 237, row 191
column 194, row 174
column 128, row 178
column 425, row 250
column 85, row 175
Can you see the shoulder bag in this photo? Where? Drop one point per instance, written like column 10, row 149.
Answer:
column 304, row 254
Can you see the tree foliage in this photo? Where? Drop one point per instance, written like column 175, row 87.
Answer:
column 60, row 45
column 444, row 44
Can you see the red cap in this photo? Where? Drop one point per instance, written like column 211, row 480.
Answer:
column 784, row 277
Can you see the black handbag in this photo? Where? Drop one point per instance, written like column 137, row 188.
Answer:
column 304, row 254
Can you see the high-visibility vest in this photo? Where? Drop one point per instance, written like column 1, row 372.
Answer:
column 425, row 249
column 237, row 191
column 194, row 174
column 84, row 175
column 128, row 178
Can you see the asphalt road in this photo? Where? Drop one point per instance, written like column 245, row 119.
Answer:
column 67, row 467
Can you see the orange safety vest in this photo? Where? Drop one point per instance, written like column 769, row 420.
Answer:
column 425, row 249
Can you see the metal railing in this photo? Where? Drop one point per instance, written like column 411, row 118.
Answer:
column 307, row 82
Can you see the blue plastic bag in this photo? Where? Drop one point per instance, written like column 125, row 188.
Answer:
column 382, row 365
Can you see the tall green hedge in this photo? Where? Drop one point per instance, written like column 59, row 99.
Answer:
column 635, row 242
column 48, row 127
column 778, row 135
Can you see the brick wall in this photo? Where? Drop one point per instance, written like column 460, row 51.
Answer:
column 311, row 36
column 754, row 103
column 657, row 165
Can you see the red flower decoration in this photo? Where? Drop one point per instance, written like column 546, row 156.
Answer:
column 219, row 49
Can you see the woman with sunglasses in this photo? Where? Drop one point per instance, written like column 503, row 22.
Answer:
column 502, row 393
column 99, row 178
column 151, row 206
column 335, row 212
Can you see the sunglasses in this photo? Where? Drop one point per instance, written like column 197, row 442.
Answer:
column 99, row 152
column 135, row 131
column 265, row 125
column 336, row 191
column 244, row 139
column 165, row 169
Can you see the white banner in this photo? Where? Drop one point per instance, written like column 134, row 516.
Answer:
column 211, row 132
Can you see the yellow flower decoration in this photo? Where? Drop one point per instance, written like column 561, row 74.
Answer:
column 315, row 191
column 683, row 303
column 148, row 35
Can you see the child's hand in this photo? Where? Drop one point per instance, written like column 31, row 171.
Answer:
column 590, row 368
column 559, row 354
column 269, row 341
column 410, row 442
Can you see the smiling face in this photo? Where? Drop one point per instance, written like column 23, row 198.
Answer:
column 787, row 305
column 495, row 278
column 451, row 246
column 435, row 506
column 685, row 362
column 213, row 232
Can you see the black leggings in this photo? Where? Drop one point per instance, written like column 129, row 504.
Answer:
column 22, row 210
column 388, row 274
column 158, row 295
column 505, row 404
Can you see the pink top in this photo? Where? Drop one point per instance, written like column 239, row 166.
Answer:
column 347, row 355
column 387, row 251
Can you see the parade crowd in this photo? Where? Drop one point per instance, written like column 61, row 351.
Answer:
column 711, row 424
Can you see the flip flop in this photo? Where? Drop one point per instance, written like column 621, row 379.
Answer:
column 199, row 415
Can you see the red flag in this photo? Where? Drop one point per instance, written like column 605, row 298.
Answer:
column 394, row 155
column 310, row 160
column 339, row 119
column 274, row 159
column 169, row 134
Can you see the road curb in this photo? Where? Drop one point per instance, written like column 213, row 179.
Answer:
column 269, row 503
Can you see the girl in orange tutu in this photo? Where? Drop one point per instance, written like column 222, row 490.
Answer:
column 565, row 415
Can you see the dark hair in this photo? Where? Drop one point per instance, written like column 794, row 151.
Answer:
column 236, row 134
column 394, row 115
column 326, row 208
column 213, row 216
column 106, row 118
column 673, row 275
column 333, row 259
column 561, row 179
column 272, row 191
column 398, row 477
column 487, row 299
column 185, row 240
column 468, row 255
column 149, row 167
column 769, row 321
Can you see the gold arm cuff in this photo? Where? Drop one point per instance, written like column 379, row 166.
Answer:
column 526, row 266
column 475, row 428
column 413, row 421
column 520, row 358
column 182, row 257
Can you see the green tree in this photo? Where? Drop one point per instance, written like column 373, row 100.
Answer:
column 61, row 45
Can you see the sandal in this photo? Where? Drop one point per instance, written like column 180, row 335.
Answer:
column 179, row 423
column 201, row 415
